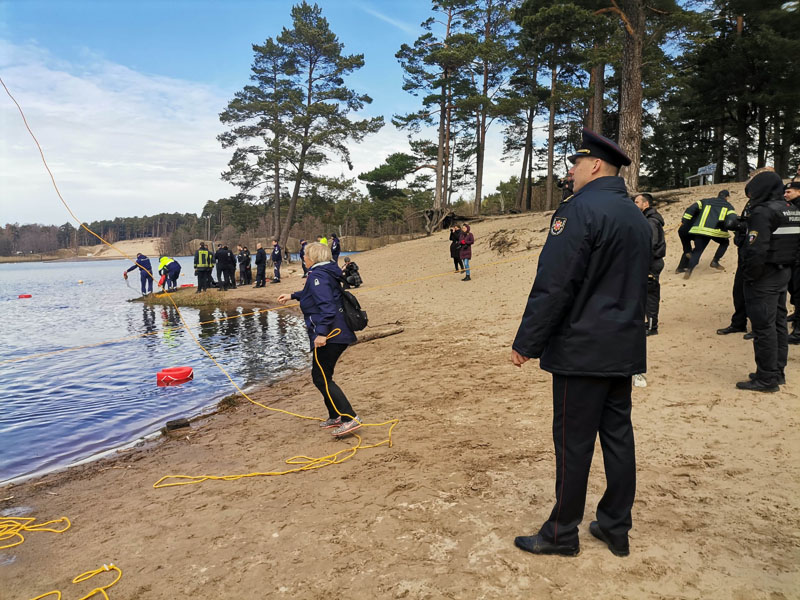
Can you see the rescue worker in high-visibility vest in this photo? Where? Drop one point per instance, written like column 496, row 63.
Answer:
column 203, row 263
column 708, row 215
column 172, row 269
column 770, row 251
column 145, row 273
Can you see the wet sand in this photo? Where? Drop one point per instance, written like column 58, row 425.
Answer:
column 434, row 516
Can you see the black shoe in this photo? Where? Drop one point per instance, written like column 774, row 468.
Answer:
column 781, row 378
column 715, row 265
column 650, row 332
column 616, row 549
column 756, row 385
column 794, row 338
column 749, row 336
column 467, row 278
column 730, row 329
column 536, row 544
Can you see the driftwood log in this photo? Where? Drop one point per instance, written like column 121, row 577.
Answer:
column 377, row 333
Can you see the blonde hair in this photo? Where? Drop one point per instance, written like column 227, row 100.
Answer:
column 318, row 253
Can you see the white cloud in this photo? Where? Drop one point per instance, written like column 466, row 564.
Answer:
column 401, row 25
column 123, row 143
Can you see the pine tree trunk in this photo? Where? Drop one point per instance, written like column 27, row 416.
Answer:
column 742, row 170
column 596, row 124
column 438, row 202
column 523, row 203
column 277, row 208
column 551, row 126
column 630, row 101
column 762, row 137
column 719, row 150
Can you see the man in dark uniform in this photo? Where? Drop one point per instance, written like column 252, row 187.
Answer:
column 302, row 258
column 773, row 235
column 226, row 268
column 739, row 318
column 707, row 217
column 791, row 193
column 277, row 259
column 585, row 320
column 658, row 252
column 261, row 266
column 203, row 263
column 145, row 273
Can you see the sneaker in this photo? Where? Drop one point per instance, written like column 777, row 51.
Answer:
column 328, row 423
column 639, row 380
column 347, row 428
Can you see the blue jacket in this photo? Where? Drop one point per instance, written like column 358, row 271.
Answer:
column 277, row 255
column 585, row 312
column 336, row 249
column 321, row 303
column 143, row 263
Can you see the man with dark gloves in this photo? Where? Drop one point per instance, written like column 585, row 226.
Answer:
column 203, row 263
column 708, row 216
column 770, row 251
column 738, row 225
column 659, row 251
column 226, row 268
column 277, row 258
column 261, row 266
column 584, row 320
column 791, row 193
column 145, row 273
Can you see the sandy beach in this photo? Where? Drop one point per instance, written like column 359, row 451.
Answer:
column 717, row 512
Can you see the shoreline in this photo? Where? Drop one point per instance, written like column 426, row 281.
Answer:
column 471, row 465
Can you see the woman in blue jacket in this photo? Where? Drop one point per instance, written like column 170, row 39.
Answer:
column 321, row 302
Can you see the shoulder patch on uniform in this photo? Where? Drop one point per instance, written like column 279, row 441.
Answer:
column 316, row 281
column 559, row 223
column 751, row 237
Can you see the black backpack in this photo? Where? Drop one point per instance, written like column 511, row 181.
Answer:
column 355, row 317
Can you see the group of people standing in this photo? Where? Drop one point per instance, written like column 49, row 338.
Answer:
column 461, row 241
column 168, row 268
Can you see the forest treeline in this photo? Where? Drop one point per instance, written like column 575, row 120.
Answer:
column 682, row 85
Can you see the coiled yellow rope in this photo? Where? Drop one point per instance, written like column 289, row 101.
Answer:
column 88, row 575
column 11, row 528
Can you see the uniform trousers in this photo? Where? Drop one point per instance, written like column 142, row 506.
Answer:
column 739, row 318
column 321, row 373
column 261, row 275
column 700, row 243
column 203, row 278
column 582, row 407
column 654, row 292
column 276, row 271
column 766, row 307
column 686, row 247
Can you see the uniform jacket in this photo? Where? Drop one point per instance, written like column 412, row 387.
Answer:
column 659, row 244
column 203, row 259
column 707, row 216
column 225, row 259
column 773, row 227
column 143, row 263
column 302, row 251
column 243, row 258
column 168, row 265
column 336, row 247
column 321, row 303
column 585, row 312
column 465, row 241
column 261, row 257
column 277, row 255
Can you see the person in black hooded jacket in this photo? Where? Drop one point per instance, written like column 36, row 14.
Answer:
column 769, row 251
column 455, row 248
column 658, row 251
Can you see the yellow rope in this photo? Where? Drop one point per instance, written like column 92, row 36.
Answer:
column 88, row 575
column 11, row 528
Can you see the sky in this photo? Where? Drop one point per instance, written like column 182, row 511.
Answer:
column 124, row 98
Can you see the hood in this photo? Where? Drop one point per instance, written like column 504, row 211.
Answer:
column 467, row 226
column 651, row 213
column 331, row 268
column 763, row 187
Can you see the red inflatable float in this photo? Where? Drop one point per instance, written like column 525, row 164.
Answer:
column 24, row 296
column 174, row 376
column 162, row 280
column 187, row 285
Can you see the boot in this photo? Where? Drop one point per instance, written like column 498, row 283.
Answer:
column 467, row 278
column 651, row 328
column 794, row 338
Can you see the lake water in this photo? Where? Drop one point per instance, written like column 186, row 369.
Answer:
column 66, row 407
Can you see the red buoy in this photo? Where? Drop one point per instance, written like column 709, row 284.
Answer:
column 187, row 285
column 174, row 376
column 163, row 279
column 24, row 296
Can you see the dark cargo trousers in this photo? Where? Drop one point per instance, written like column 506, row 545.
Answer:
column 766, row 307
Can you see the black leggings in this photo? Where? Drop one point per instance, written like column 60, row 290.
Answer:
column 327, row 356
column 458, row 264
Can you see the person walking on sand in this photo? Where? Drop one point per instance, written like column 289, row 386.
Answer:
column 455, row 249
column 465, row 241
column 145, row 273
column 584, row 320
column 321, row 302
